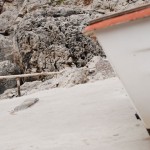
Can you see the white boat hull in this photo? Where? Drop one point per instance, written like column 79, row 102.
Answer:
column 127, row 46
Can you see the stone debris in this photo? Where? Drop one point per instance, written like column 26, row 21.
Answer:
column 96, row 69
column 49, row 38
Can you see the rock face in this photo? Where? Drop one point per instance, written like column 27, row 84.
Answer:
column 116, row 5
column 7, row 68
column 50, row 38
column 5, row 47
column 102, row 5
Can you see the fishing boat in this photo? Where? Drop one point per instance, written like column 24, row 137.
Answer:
column 125, row 39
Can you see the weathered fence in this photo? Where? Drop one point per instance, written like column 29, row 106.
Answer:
column 17, row 77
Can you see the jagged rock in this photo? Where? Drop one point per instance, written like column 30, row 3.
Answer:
column 8, row 14
column 6, row 47
column 45, row 33
column 99, row 68
column 71, row 77
column 49, row 37
column 1, row 5
column 7, row 19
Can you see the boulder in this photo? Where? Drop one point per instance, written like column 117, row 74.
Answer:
column 6, row 48
column 8, row 68
column 49, row 37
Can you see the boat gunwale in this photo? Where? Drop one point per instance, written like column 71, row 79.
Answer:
column 118, row 18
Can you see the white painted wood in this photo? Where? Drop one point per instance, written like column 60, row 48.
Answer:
column 128, row 49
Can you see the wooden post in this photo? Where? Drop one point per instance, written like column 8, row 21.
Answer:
column 17, row 77
column 29, row 75
column 18, row 87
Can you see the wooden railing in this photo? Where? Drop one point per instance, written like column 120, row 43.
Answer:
column 17, row 77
